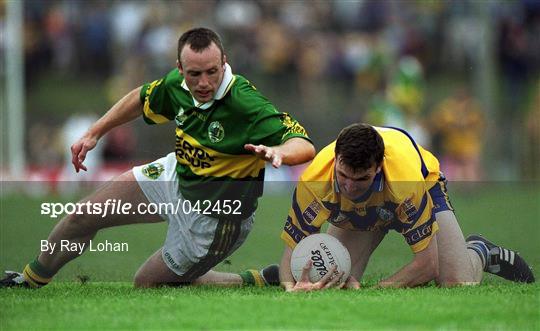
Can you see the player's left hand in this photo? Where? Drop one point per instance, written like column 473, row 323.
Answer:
column 269, row 154
column 352, row 283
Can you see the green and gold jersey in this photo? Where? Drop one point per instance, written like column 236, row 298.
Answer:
column 212, row 162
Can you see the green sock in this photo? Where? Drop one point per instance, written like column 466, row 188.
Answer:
column 252, row 277
column 36, row 275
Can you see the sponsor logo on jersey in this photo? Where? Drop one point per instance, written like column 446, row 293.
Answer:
column 216, row 133
column 293, row 231
column 197, row 157
column 407, row 211
column 311, row 211
column 420, row 233
column 180, row 117
column 153, row 170
column 385, row 215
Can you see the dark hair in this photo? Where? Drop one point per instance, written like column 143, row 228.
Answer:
column 198, row 40
column 359, row 146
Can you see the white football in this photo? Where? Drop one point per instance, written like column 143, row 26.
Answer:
column 324, row 251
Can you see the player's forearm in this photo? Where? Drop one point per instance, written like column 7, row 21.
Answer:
column 296, row 151
column 423, row 268
column 411, row 275
column 285, row 274
column 125, row 110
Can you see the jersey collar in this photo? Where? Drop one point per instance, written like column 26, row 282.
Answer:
column 224, row 87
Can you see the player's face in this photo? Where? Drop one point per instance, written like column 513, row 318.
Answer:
column 353, row 183
column 203, row 71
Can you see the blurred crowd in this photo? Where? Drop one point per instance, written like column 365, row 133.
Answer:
column 413, row 64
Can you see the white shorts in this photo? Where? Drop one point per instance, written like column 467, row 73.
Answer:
column 195, row 242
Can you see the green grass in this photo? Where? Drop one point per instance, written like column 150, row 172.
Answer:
column 508, row 213
column 119, row 306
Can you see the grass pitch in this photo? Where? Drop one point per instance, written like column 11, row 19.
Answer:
column 505, row 213
column 119, row 306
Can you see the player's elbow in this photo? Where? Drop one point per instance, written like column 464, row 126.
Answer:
column 307, row 154
column 310, row 151
column 302, row 152
column 428, row 269
column 427, row 262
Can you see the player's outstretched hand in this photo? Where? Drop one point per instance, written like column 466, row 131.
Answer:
column 305, row 285
column 79, row 150
column 269, row 154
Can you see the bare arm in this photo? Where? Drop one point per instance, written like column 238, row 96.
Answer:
column 293, row 151
column 285, row 275
column 126, row 109
column 423, row 268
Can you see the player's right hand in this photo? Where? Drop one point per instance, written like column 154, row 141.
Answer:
column 269, row 154
column 327, row 281
column 79, row 150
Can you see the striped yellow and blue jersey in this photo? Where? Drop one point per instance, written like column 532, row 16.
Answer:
column 398, row 198
column 212, row 162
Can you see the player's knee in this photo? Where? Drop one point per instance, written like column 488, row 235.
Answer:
column 80, row 224
column 456, row 282
column 455, row 279
column 141, row 280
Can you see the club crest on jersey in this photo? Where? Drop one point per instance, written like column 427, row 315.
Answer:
column 385, row 215
column 153, row 170
column 180, row 117
column 216, row 133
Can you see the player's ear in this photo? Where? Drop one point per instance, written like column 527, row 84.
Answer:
column 379, row 168
column 179, row 66
column 224, row 60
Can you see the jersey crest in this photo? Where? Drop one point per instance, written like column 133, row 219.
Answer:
column 385, row 215
column 153, row 170
column 216, row 133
